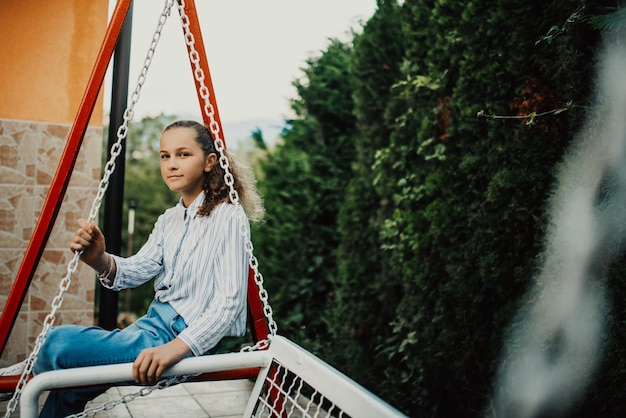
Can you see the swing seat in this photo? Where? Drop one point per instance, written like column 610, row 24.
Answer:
column 288, row 380
column 291, row 382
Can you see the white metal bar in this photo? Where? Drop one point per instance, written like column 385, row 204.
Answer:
column 119, row 373
column 258, row 387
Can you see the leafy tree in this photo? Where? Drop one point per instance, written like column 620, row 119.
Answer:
column 363, row 291
column 302, row 182
column 444, row 214
column 464, row 195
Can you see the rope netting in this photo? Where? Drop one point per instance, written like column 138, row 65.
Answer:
column 287, row 394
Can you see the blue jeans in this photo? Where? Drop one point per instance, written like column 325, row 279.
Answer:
column 70, row 346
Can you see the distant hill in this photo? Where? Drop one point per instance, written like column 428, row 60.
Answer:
column 239, row 133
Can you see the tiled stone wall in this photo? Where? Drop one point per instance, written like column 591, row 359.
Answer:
column 29, row 154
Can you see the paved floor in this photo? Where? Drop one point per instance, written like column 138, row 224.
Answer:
column 220, row 399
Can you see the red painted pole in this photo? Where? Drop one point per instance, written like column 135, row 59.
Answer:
column 256, row 315
column 194, row 28
column 61, row 179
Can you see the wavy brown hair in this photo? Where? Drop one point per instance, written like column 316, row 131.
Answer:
column 216, row 190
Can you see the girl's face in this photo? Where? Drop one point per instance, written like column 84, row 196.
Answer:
column 183, row 163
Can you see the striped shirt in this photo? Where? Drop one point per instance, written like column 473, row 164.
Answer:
column 200, row 264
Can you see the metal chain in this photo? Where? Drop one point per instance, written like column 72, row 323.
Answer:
column 107, row 406
column 214, row 127
column 102, row 187
column 234, row 198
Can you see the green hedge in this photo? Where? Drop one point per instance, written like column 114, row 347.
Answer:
column 414, row 189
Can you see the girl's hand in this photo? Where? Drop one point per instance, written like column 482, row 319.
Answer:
column 90, row 241
column 152, row 362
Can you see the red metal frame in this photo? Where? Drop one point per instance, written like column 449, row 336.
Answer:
column 61, row 179
column 194, row 28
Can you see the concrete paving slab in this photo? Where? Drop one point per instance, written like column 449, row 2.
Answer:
column 219, row 399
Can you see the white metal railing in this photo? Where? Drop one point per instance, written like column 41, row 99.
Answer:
column 291, row 382
column 297, row 383
column 122, row 373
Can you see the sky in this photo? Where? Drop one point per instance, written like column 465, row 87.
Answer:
column 255, row 49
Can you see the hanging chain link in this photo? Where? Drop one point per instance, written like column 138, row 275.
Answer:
column 107, row 406
column 116, row 149
column 214, row 127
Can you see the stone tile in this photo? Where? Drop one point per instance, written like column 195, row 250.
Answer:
column 223, row 404
column 203, row 388
column 173, row 391
column 49, row 151
column 17, row 349
column 119, row 411
column 166, row 407
column 87, row 167
column 76, row 204
column 178, row 402
column 29, row 155
column 18, row 145
column 16, row 208
column 195, row 399
column 11, row 259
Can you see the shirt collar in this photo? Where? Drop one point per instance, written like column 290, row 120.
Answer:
column 193, row 208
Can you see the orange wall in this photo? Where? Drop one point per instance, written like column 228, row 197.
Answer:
column 47, row 52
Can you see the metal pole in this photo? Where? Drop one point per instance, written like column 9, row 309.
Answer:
column 132, row 205
column 113, row 202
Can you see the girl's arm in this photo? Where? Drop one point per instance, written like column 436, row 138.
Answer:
column 129, row 272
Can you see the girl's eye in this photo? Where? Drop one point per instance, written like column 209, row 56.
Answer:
column 164, row 156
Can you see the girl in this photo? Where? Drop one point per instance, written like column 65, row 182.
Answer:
column 196, row 253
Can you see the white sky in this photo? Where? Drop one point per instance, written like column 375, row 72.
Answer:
column 255, row 50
